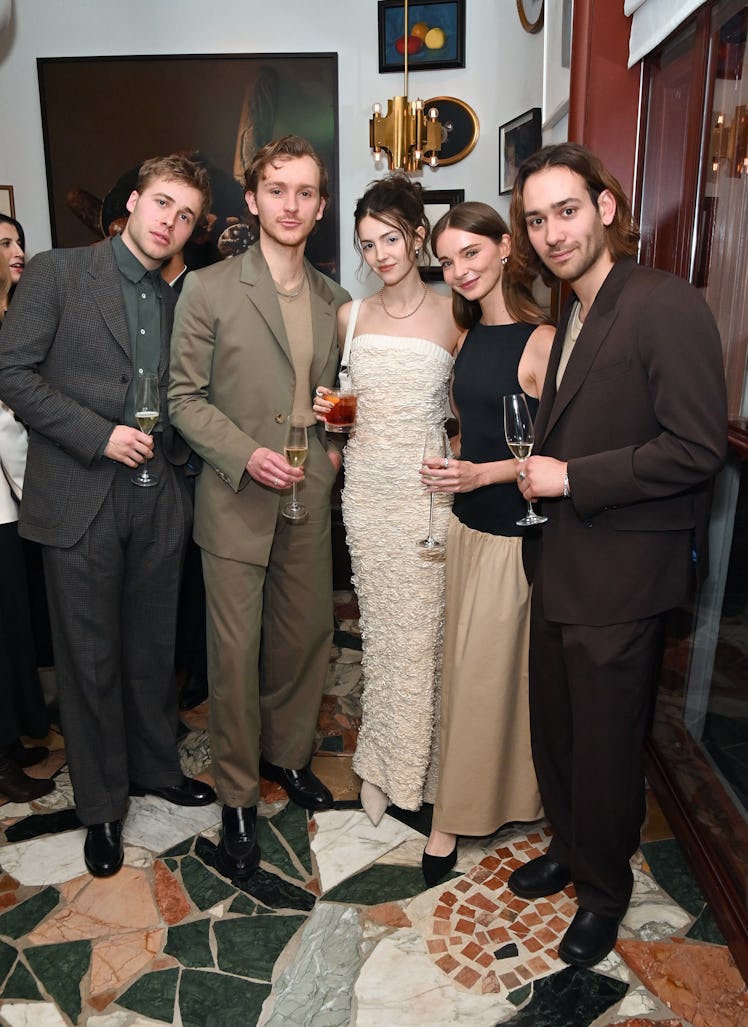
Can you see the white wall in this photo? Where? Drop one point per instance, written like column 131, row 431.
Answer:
column 502, row 78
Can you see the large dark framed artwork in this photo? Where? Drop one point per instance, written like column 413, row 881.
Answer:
column 102, row 116
column 435, row 37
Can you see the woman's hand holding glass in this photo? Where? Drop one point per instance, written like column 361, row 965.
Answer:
column 451, row 476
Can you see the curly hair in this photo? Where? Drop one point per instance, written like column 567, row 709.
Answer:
column 481, row 219
column 622, row 234
column 397, row 201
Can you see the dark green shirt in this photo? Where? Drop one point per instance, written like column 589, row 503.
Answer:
column 141, row 293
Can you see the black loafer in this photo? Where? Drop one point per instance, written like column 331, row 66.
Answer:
column 540, row 877
column 238, row 853
column 27, row 757
column 588, row 939
column 189, row 793
column 303, row 787
column 103, row 851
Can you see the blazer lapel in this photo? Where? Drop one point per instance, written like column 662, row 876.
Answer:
column 107, row 294
column 255, row 274
column 323, row 321
column 599, row 321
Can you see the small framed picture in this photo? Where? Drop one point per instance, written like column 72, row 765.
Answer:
column 435, row 37
column 437, row 202
column 7, row 206
column 518, row 139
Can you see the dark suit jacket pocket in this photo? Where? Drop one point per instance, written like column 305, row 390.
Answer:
column 608, row 372
column 673, row 514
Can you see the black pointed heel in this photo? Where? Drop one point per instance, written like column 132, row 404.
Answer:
column 435, row 868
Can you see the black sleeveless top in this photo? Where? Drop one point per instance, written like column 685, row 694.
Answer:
column 485, row 370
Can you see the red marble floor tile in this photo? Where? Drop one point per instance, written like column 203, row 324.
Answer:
column 537, row 965
column 462, row 885
column 518, row 904
column 448, row 898
column 101, row 1001
column 485, row 960
column 172, row 901
column 389, row 914
column 7, row 882
column 505, row 853
column 546, row 936
column 522, row 970
column 467, row 977
column 499, row 935
column 7, row 899
column 436, row 945
column 483, row 940
column 465, row 926
column 510, row 981
column 494, row 883
column 447, row 963
column 464, row 910
column 490, row 863
column 471, row 950
column 441, row 927
column 491, row 984
column 545, row 908
column 520, row 930
column 481, row 901
column 639, row 1022
column 699, row 982
column 531, row 918
column 442, row 912
column 557, row 924
column 313, row 887
column 532, row 944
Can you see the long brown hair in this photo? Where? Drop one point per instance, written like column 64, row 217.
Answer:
column 5, row 284
column 481, row 219
column 622, row 234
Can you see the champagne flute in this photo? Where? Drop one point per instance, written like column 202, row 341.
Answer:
column 295, row 450
column 146, row 414
column 435, row 447
column 520, row 438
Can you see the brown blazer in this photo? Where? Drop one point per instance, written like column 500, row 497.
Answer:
column 65, row 367
column 641, row 418
column 231, row 388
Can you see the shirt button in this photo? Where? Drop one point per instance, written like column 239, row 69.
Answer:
column 279, row 418
column 142, row 331
column 144, row 296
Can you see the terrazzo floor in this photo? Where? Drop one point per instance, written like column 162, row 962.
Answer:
column 336, row 927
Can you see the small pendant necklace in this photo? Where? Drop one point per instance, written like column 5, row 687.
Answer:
column 402, row 317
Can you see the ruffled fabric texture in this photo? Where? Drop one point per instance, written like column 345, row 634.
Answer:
column 402, row 389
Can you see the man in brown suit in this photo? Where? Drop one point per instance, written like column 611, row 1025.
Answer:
column 252, row 338
column 84, row 323
column 631, row 429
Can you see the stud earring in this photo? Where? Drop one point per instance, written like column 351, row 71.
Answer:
column 418, row 251
column 504, row 260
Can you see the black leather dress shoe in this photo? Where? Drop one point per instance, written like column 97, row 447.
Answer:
column 303, row 787
column 238, row 853
column 189, row 793
column 27, row 757
column 103, row 851
column 539, row 877
column 434, row 868
column 193, row 692
column 19, row 787
column 588, row 939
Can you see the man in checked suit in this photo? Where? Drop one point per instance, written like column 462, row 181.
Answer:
column 85, row 323
column 631, row 428
column 253, row 336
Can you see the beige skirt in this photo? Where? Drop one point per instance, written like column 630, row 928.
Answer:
column 486, row 777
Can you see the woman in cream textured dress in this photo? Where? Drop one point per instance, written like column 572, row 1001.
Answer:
column 487, row 776
column 401, row 341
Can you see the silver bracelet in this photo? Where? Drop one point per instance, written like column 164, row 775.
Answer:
column 567, row 490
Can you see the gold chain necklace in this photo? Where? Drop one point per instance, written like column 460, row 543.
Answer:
column 402, row 317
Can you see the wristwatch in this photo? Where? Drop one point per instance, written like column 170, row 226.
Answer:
column 567, row 490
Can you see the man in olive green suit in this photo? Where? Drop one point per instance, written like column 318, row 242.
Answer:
column 253, row 336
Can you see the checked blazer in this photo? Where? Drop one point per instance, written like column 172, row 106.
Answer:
column 65, row 368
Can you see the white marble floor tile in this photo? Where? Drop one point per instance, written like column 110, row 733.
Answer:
column 49, row 859
column 400, row 986
column 346, row 841
column 32, row 1014
column 156, row 824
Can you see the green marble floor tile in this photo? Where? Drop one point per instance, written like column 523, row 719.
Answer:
column 190, row 944
column 244, row 905
column 292, row 823
column 380, row 883
column 571, row 998
column 520, row 996
column 153, row 995
column 60, row 970
column 250, row 946
column 219, row 1000
column 7, row 958
column 172, row 864
column 705, row 929
column 22, row 919
column 21, row 985
column 203, row 887
column 180, row 849
column 671, row 871
column 274, row 852
column 273, row 891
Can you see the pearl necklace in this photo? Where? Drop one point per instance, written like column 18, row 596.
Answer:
column 402, row 317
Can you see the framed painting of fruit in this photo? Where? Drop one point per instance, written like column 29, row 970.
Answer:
column 434, row 37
